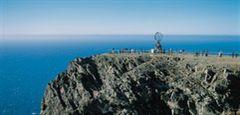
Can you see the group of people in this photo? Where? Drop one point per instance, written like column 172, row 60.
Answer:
column 220, row 54
column 202, row 53
column 234, row 55
column 126, row 50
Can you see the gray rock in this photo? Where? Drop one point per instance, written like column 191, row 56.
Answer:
column 143, row 85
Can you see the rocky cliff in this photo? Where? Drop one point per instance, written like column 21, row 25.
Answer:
column 145, row 84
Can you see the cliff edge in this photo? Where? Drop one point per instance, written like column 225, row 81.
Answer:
column 145, row 84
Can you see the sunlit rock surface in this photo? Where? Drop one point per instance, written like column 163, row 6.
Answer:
column 145, row 84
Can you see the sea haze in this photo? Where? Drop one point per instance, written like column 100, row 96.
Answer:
column 28, row 63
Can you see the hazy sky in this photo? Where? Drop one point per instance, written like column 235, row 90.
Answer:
column 119, row 16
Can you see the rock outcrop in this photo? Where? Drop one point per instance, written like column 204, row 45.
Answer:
column 144, row 84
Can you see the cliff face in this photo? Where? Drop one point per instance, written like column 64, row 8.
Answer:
column 144, row 84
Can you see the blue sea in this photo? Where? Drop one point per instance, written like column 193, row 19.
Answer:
column 27, row 65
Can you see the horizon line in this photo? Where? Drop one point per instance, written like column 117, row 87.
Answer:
column 2, row 35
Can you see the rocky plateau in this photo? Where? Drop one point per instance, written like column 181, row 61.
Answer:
column 145, row 84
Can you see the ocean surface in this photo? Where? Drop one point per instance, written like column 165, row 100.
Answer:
column 27, row 65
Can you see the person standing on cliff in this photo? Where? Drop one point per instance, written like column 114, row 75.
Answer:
column 236, row 55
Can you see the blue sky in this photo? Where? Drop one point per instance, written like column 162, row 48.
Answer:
column 44, row 17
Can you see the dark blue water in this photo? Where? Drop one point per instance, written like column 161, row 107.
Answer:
column 27, row 66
